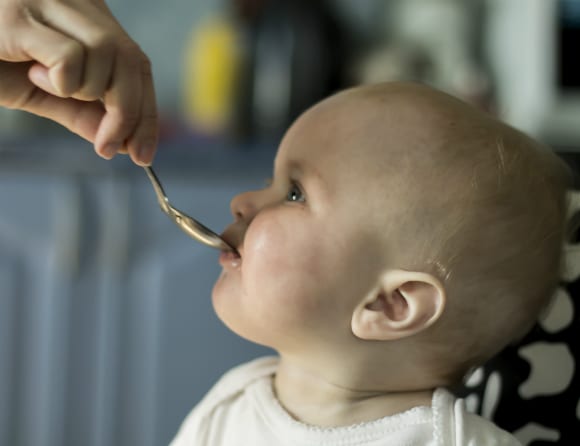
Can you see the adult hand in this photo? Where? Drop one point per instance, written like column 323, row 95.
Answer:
column 72, row 62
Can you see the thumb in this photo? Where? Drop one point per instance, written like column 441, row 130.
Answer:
column 39, row 76
column 18, row 92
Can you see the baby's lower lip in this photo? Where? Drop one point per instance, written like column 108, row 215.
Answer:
column 230, row 259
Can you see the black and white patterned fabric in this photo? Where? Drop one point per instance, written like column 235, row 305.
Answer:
column 532, row 389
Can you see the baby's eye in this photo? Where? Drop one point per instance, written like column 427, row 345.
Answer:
column 295, row 193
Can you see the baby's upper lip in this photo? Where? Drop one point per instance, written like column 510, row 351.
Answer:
column 229, row 237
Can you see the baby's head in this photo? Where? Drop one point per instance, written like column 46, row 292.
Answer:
column 405, row 237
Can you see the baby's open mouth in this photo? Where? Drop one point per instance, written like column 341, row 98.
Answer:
column 230, row 259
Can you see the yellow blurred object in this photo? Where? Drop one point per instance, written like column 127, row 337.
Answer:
column 212, row 66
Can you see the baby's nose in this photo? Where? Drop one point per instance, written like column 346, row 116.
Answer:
column 244, row 206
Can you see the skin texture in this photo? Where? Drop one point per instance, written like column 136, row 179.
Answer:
column 337, row 269
column 73, row 63
column 307, row 265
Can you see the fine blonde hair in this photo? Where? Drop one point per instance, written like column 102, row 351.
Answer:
column 498, row 250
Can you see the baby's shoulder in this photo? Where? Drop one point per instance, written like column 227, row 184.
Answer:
column 211, row 415
column 234, row 381
column 454, row 424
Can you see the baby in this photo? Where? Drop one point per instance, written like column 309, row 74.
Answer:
column 404, row 239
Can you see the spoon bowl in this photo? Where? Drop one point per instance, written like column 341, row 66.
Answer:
column 187, row 224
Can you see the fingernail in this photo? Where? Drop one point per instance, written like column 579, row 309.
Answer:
column 145, row 153
column 110, row 150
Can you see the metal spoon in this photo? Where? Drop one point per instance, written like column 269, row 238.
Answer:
column 189, row 225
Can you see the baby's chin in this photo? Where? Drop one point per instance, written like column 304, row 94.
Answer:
column 225, row 296
column 246, row 329
column 220, row 288
column 228, row 308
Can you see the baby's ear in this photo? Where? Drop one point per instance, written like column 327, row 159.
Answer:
column 403, row 304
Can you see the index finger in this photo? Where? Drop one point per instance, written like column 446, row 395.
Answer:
column 122, row 103
column 143, row 143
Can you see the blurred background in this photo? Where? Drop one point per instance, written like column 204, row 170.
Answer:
column 107, row 336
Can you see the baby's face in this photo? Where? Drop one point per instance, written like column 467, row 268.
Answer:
column 308, row 247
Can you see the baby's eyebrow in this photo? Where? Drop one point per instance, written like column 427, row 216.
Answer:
column 282, row 166
column 293, row 168
column 298, row 169
column 307, row 174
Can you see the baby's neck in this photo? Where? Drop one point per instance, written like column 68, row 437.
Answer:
column 312, row 399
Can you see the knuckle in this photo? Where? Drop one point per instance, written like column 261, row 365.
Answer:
column 130, row 119
column 103, row 44
column 22, row 14
column 133, row 54
column 73, row 50
column 69, row 68
column 72, row 57
column 127, row 46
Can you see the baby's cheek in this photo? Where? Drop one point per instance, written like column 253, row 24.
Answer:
column 280, row 246
column 287, row 259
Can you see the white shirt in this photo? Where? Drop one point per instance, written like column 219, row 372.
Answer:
column 241, row 410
